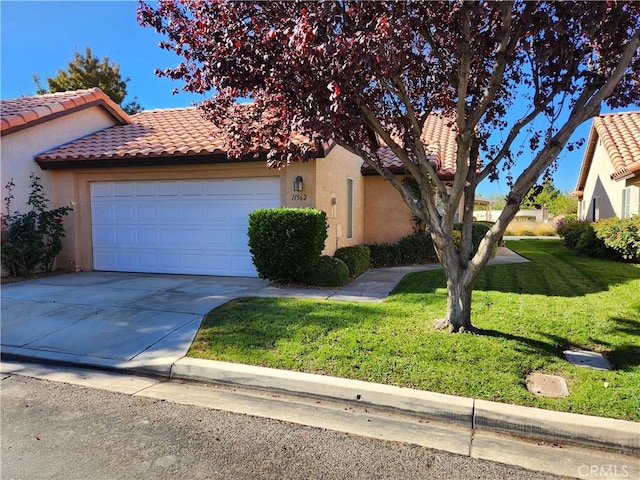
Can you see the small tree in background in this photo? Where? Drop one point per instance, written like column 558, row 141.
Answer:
column 87, row 71
column 513, row 79
column 31, row 241
column 549, row 196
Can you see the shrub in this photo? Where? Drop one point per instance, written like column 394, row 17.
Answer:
column 621, row 235
column 581, row 237
column 412, row 249
column 565, row 224
column 478, row 231
column 286, row 243
column 328, row 272
column 31, row 241
column 357, row 258
column 572, row 231
column 385, row 255
column 589, row 245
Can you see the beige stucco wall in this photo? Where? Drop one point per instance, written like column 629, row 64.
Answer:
column 75, row 186
column 18, row 149
column 387, row 218
column 332, row 173
column 599, row 184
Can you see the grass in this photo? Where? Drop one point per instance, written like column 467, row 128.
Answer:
column 531, row 229
column 528, row 313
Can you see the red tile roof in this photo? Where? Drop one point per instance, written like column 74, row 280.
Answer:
column 182, row 135
column 25, row 112
column 439, row 138
column 172, row 134
column 620, row 136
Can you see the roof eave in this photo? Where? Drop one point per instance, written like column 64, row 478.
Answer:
column 143, row 161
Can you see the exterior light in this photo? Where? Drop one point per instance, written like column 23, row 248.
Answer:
column 297, row 184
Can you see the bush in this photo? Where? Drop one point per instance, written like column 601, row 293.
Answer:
column 581, row 237
column 31, row 241
column 286, row 243
column 478, row 231
column 621, row 235
column 328, row 272
column 357, row 258
column 589, row 245
column 413, row 249
column 565, row 224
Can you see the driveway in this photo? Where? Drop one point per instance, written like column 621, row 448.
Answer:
column 113, row 320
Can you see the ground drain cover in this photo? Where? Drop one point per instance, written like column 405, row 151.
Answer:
column 547, row 385
column 585, row 358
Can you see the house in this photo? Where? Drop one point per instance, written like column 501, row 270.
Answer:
column 609, row 179
column 30, row 125
column 155, row 192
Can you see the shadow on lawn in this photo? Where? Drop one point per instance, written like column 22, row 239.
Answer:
column 627, row 357
column 624, row 357
column 260, row 323
column 552, row 348
column 553, row 272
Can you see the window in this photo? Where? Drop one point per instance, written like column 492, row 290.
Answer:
column 630, row 201
column 595, row 209
column 626, row 202
column 349, row 208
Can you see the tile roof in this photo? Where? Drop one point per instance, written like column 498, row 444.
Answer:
column 620, row 136
column 439, row 138
column 25, row 112
column 170, row 133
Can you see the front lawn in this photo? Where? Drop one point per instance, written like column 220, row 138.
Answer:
column 528, row 313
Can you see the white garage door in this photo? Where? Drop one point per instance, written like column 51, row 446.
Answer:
column 178, row 226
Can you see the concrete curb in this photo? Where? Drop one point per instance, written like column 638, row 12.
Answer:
column 478, row 415
column 585, row 430
column 433, row 405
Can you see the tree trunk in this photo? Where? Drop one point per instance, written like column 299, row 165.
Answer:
column 458, row 318
column 459, row 290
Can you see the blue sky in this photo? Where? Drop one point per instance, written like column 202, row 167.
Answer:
column 38, row 37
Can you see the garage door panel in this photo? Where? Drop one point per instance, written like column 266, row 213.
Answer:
column 188, row 226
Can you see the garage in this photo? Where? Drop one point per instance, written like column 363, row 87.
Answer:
column 196, row 227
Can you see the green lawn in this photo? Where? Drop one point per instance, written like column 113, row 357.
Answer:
column 528, row 313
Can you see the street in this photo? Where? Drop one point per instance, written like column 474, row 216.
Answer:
column 55, row 430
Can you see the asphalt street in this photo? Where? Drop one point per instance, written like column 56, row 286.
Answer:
column 55, row 430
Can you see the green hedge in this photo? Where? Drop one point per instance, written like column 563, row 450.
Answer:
column 357, row 258
column 286, row 243
column 478, row 231
column 581, row 237
column 413, row 249
column 417, row 248
column 328, row 272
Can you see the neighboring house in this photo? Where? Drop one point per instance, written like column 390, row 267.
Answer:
column 156, row 193
column 609, row 179
column 31, row 125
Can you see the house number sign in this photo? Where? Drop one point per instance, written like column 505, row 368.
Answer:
column 300, row 197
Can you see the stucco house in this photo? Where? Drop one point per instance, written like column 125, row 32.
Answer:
column 31, row 125
column 156, row 193
column 609, row 179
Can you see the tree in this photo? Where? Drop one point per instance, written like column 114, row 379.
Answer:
column 87, row 71
column 364, row 73
column 549, row 196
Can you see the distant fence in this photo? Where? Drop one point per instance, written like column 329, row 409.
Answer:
column 538, row 216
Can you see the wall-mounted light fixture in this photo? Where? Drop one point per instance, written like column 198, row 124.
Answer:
column 297, row 184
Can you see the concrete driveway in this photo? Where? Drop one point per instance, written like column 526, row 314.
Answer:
column 115, row 320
